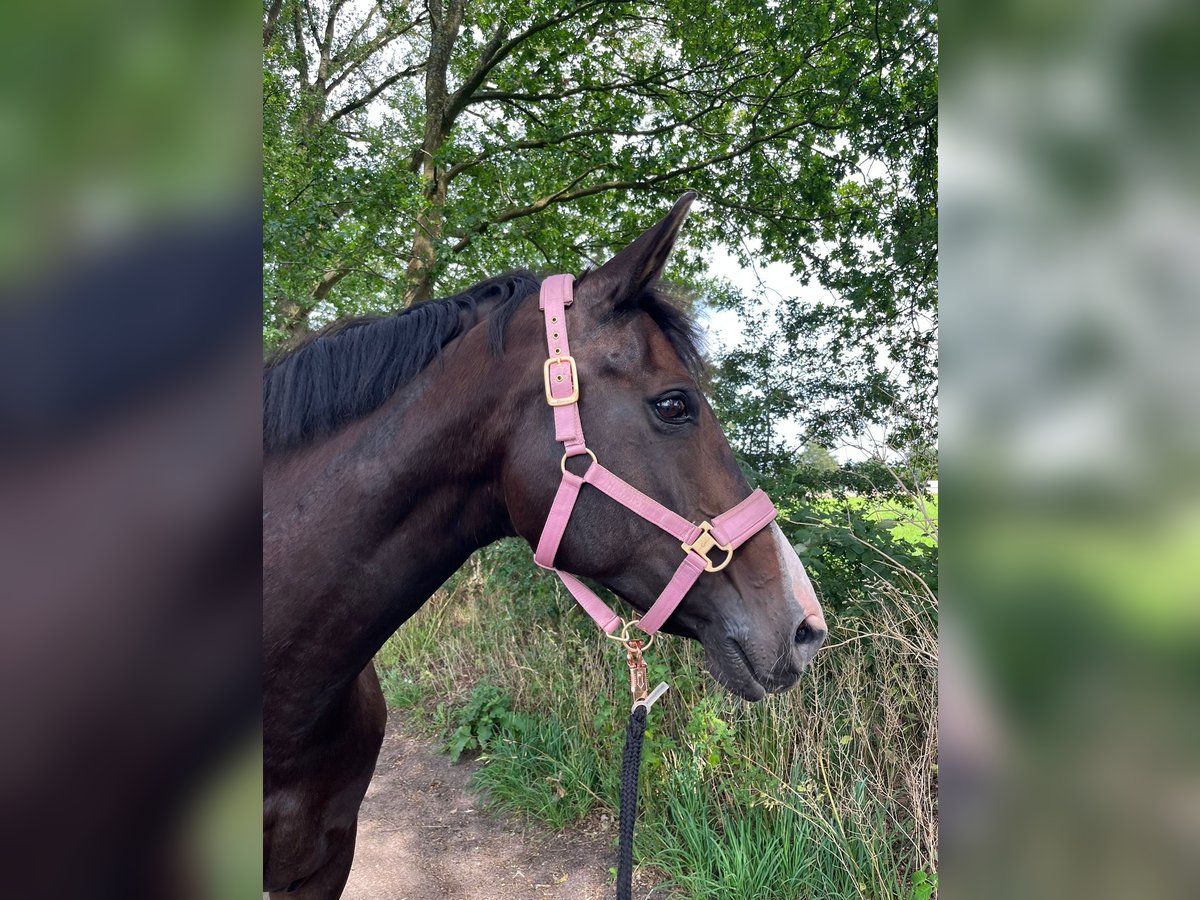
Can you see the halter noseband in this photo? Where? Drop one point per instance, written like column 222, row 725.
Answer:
column 726, row 532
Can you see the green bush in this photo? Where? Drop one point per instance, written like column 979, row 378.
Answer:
column 481, row 721
column 924, row 886
column 853, row 527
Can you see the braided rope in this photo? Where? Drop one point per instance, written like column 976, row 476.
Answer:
column 631, row 763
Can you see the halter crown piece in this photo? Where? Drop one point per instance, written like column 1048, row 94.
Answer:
column 726, row 532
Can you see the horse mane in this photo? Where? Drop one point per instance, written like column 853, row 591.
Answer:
column 350, row 367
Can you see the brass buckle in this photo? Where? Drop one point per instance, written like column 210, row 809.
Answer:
column 574, row 395
column 703, row 544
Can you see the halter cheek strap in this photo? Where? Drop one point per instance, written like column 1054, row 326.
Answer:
column 725, row 533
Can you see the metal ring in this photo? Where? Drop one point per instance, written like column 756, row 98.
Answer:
column 646, row 646
column 622, row 637
column 563, row 463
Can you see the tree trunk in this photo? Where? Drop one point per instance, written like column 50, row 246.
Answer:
column 428, row 229
column 445, row 23
column 272, row 21
column 295, row 317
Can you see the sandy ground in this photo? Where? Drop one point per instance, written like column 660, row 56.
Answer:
column 423, row 835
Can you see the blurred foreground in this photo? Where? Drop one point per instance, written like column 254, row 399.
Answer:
column 1070, row 211
column 130, row 273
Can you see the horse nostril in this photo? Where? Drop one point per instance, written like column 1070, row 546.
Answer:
column 809, row 634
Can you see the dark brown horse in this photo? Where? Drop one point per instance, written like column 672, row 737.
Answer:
column 397, row 446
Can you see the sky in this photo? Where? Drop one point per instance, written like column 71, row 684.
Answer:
column 774, row 281
column 723, row 328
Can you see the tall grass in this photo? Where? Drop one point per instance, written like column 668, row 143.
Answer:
column 826, row 791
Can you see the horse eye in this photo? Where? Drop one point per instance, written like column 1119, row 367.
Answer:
column 671, row 409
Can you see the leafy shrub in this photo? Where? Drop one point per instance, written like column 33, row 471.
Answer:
column 924, row 886
column 399, row 690
column 481, row 721
column 852, row 527
column 709, row 736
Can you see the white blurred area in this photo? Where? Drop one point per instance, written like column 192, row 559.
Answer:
column 1070, row 281
column 1071, row 257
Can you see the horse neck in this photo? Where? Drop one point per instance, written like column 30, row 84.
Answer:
column 361, row 529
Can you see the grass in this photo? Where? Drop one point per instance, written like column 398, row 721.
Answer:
column 826, row 791
column 915, row 517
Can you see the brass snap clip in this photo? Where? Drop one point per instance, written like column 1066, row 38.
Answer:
column 623, row 636
column 639, row 684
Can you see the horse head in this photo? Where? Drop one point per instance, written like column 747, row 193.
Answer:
column 641, row 405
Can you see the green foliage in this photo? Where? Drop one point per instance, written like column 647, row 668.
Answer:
column 924, row 886
column 399, row 690
column 825, row 791
column 551, row 133
column 844, row 546
column 817, row 458
column 709, row 737
column 851, row 524
column 548, row 770
column 854, row 526
column 483, row 719
column 751, row 852
column 832, row 379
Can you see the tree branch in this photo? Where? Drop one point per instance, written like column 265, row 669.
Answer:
column 326, row 44
column 354, row 58
column 655, row 78
column 496, row 51
column 301, row 50
column 375, row 92
column 272, row 21
column 329, row 281
column 543, row 143
column 340, row 56
column 312, row 24
column 565, row 195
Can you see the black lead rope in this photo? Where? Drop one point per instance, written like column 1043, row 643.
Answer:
column 631, row 763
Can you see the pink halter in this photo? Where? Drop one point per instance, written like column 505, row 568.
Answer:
column 727, row 531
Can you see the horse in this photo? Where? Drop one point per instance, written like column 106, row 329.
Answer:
column 396, row 446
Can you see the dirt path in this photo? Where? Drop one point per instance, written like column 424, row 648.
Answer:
column 423, row 835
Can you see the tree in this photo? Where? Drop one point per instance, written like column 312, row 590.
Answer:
column 818, row 458
column 411, row 147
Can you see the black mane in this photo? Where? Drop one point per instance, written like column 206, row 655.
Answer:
column 349, row 368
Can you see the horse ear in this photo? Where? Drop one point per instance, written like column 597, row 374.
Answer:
column 639, row 264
